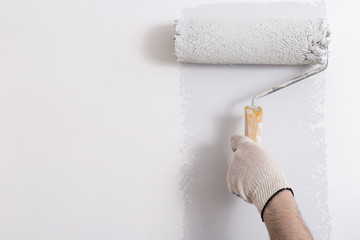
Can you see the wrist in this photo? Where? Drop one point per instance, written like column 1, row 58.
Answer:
column 276, row 198
column 283, row 219
column 281, row 200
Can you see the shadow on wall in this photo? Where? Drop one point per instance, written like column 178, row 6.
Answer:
column 159, row 44
column 206, row 197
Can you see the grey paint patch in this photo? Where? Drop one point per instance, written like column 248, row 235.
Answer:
column 214, row 98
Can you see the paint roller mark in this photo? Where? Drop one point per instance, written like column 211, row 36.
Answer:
column 213, row 101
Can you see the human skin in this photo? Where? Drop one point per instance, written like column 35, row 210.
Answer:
column 283, row 220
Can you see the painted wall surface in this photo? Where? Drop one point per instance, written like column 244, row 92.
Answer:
column 103, row 135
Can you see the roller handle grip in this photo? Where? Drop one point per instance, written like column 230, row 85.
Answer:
column 253, row 123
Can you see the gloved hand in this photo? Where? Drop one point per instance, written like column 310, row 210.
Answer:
column 253, row 174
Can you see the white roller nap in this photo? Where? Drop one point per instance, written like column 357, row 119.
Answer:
column 251, row 41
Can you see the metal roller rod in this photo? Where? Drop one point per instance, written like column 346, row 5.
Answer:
column 288, row 83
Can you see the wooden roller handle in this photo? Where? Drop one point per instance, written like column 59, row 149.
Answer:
column 253, row 123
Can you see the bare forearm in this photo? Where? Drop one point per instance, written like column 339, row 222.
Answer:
column 283, row 219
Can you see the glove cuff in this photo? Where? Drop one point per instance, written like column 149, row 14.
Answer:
column 268, row 191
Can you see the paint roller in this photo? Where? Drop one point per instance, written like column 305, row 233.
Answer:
column 254, row 41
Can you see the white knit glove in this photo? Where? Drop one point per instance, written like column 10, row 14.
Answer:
column 253, row 174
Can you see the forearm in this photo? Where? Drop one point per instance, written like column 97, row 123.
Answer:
column 283, row 219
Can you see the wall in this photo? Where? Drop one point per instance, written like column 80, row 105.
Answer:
column 104, row 135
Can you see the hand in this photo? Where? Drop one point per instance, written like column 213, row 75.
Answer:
column 253, row 174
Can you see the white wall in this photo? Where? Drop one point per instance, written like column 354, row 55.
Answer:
column 104, row 136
